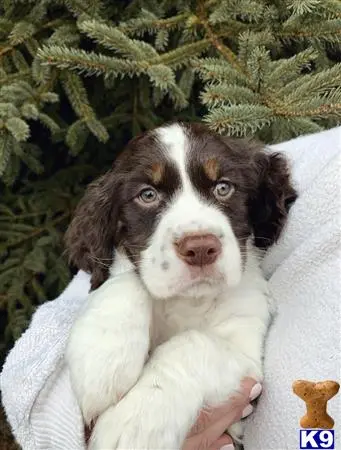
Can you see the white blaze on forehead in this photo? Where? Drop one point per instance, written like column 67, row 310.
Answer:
column 174, row 138
column 187, row 212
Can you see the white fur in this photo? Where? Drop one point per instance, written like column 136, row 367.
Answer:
column 109, row 343
column 199, row 361
column 205, row 336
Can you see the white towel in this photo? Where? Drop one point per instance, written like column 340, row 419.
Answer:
column 304, row 341
column 36, row 390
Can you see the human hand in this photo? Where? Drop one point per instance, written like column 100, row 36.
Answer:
column 208, row 432
column 137, row 426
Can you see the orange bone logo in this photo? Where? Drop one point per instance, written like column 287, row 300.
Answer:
column 316, row 396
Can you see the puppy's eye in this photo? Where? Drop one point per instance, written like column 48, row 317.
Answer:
column 148, row 195
column 223, row 189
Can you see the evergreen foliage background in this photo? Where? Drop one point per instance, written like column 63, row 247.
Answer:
column 79, row 78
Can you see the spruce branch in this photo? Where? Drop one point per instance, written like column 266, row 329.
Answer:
column 92, row 63
column 18, row 128
column 89, row 63
column 186, row 81
column 8, row 109
column 20, row 32
column 161, row 76
column 38, row 231
column 76, row 136
column 249, row 10
column 316, row 83
column 250, row 41
column 258, row 66
column 114, row 39
column 161, row 40
column 226, row 52
column 77, row 95
column 29, row 111
column 10, row 46
column 32, row 46
column 49, row 123
column 239, row 120
column 151, row 24
column 19, row 61
column 299, row 7
column 221, row 93
column 13, row 77
column 319, row 112
column 88, row 8
column 5, row 151
column 66, row 34
column 28, row 158
column 284, row 71
column 181, row 56
column 218, row 70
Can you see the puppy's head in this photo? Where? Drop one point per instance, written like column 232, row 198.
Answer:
column 181, row 203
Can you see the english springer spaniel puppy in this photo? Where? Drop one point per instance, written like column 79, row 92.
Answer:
column 172, row 236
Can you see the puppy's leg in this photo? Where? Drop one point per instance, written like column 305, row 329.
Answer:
column 191, row 370
column 109, row 343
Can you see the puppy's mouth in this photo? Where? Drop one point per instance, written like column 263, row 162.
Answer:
column 203, row 276
column 200, row 286
column 203, row 273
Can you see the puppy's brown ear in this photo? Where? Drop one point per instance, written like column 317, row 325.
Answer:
column 90, row 236
column 269, row 204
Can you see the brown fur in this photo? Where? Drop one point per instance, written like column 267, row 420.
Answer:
column 109, row 215
column 90, row 236
column 157, row 173
column 211, row 168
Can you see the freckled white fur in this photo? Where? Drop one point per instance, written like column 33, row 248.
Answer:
column 203, row 338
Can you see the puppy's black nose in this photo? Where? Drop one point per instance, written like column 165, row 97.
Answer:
column 198, row 249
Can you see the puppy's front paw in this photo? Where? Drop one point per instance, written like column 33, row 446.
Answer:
column 141, row 420
column 109, row 344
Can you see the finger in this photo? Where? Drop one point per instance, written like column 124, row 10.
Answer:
column 218, row 428
column 216, row 431
column 208, row 416
column 232, row 410
column 249, row 390
column 223, row 443
column 256, row 389
column 247, row 411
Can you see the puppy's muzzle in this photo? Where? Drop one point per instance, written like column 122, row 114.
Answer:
column 198, row 249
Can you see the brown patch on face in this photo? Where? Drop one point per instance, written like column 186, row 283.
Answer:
column 211, row 168
column 157, row 171
column 108, row 216
column 90, row 237
column 263, row 190
column 140, row 220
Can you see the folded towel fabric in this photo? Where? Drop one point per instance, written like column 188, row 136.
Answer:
column 35, row 388
column 304, row 341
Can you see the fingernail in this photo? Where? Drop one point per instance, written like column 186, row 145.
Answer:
column 247, row 411
column 255, row 391
column 227, row 447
